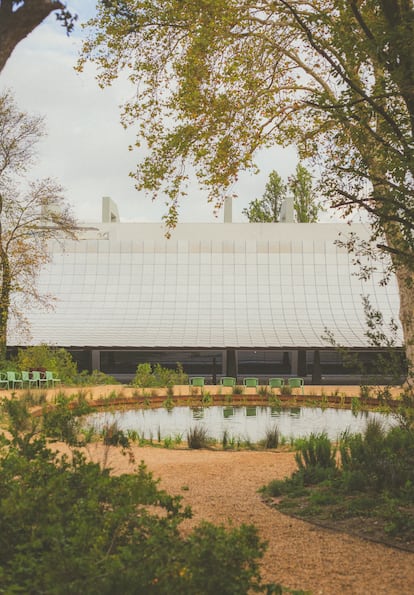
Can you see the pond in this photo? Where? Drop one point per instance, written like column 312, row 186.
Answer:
column 247, row 423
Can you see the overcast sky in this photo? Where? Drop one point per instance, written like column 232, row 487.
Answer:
column 86, row 148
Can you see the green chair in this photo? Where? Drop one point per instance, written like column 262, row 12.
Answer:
column 197, row 381
column 28, row 380
column 228, row 381
column 4, row 383
column 276, row 382
column 296, row 383
column 251, row 382
column 36, row 377
column 50, row 378
column 14, row 379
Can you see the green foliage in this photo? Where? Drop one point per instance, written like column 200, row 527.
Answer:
column 113, row 436
column 316, row 458
column 374, row 480
column 304, row 201
column 62, row 421
column 223, row 569
column 377, row 459
column 59, row 361
column 197, row 437
column 69, row 527
column 95, row 378
column 238, row 390
column 271, row 439
column 147, row 377
column 267, row 209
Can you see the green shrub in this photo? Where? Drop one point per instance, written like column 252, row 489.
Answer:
column 95, row 378
column 271, row 439
column 70, row 527
column 63, row 423
column 197, row 437
column 385, row 459
column 147, row 377
column 59, row 361
column 113, row 436
column 316, row 458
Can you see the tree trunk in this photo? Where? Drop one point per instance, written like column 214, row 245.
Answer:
column 405, row 280
column 16, row 24
column 4, row 299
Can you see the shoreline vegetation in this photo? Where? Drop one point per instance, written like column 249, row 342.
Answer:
column 347, row 397
column 325, row 483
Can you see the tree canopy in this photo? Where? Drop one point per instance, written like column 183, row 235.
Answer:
column 222, row 78
column 219, row 79
column 268, row 208
column 32, row 212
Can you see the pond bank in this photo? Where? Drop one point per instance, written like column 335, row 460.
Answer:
column 120, row 395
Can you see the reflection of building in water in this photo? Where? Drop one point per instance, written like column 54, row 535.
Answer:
column 223, row 299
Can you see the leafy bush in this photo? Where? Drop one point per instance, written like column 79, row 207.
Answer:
column 147, row 377
column 70, row 527
column 62, row 422
column 384, row 459
column 113, row 436
column 316, row 458
column 95, row 378
column 58, row 361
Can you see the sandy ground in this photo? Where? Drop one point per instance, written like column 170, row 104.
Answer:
column 222, row 487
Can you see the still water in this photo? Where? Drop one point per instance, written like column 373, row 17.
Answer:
column 244, row 423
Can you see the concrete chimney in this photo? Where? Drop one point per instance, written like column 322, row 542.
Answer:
column 228, row 210
column 109, row 210
column 287, row 211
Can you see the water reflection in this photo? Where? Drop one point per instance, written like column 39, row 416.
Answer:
column 250, row 423
column 251, row 411
column 228, row 412
column 198, row 412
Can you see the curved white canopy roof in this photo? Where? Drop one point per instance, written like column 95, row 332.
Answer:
column 210, row 285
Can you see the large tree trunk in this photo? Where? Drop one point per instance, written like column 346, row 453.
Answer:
column 16, row 24
column 405, row 280
column 4, row 300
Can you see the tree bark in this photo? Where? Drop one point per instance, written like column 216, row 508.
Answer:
column 4, row 290
column 16, row 24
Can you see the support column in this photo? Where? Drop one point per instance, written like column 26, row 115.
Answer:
column 231, row 364
column 96, row 359
column 316, row 368
column 302, row 363
column 294, row 363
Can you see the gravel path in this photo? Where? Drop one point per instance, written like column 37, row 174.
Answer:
column 222, row 486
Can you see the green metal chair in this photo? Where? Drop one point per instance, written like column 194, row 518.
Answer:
column 28, row 380
column 4, row 383
column 251, row 382
column 36, row 377
column 14, row 379
column 296, row 383
column 197, row 381
column 276, row 382
column 228, row 381
column 50, row 378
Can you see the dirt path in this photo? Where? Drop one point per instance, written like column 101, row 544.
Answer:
column 222, row 486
